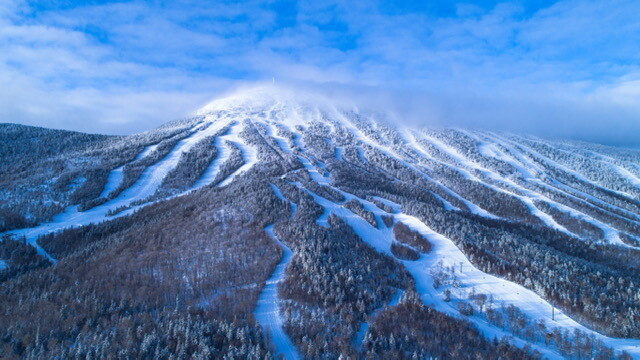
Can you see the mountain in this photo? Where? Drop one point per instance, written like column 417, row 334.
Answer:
column 281, row 223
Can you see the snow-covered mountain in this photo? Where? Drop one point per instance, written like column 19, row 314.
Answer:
column 275, row 222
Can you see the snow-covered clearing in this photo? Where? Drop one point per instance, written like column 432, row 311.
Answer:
column 591, row 200
column 249, row 156
column 113, row 181
column 550, row 163
column 267, row 312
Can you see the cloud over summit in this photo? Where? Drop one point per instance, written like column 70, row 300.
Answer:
column 117, row 67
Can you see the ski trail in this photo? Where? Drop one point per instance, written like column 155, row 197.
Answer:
column 210, row 174
column 281, row 142
column 486, row 149
column 447, row 205
column 446, row 252
column 117, row 175
column 611, row 234
column 595, row 202
column 626, row 174
column 530, row 195
column 249, row 157
column 550, row 163
column 364, row 327
column 365, row 140
column 313, row 172
column 146, row 152
column 143, row 188
column 280, row 196
column 113, row 181
column 267, row 312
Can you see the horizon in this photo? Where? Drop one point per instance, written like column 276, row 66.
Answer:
column 257, row 92
column 557, row 69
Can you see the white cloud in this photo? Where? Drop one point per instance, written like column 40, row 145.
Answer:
column 125, row 66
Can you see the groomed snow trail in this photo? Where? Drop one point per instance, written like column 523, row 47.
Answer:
column 267, row 313
column 446, row 252
column 117, row 175
column 527, row 169
column 147, row 184
column 249, row 156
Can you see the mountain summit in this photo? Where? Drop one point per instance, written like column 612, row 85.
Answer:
column 277, row 222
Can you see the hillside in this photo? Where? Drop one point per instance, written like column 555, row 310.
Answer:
column 274, row 223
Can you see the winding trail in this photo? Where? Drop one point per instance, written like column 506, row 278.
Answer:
column 267, row 312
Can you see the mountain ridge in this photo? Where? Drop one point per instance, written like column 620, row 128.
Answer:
column 532, row 224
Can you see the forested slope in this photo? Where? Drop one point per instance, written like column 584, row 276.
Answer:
column 396, row 242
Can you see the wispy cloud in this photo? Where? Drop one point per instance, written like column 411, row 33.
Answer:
column 123, row 66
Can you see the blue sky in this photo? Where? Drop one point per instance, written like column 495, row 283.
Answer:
column 118, row 67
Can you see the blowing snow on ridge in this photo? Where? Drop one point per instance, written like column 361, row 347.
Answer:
column 276, row 222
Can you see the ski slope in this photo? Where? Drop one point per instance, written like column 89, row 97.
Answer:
column 147, row 185
column 497, row 163
column 446, row 252
column 117, row 175
column 267, row 313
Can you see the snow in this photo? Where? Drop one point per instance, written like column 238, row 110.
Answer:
column 113, row 181
column 611, row 235
column 580, row 195
column 117, row 175
column 267, row 312
column 281, row 110
column 454, row 154
column 337, row 152
column 211, row 172
column 143, row 188
column 627, row 175
column 361, row 156
column 279, row 195
column 529, row 166
column 474, row 208
column 445, row 251
column 364, row 327
column 146, row 152
column 527, row 199
column 250, row 158
column 411, row 139
column 324, row 180
column 282, row 143
column 554, row 164
column 493, row 150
